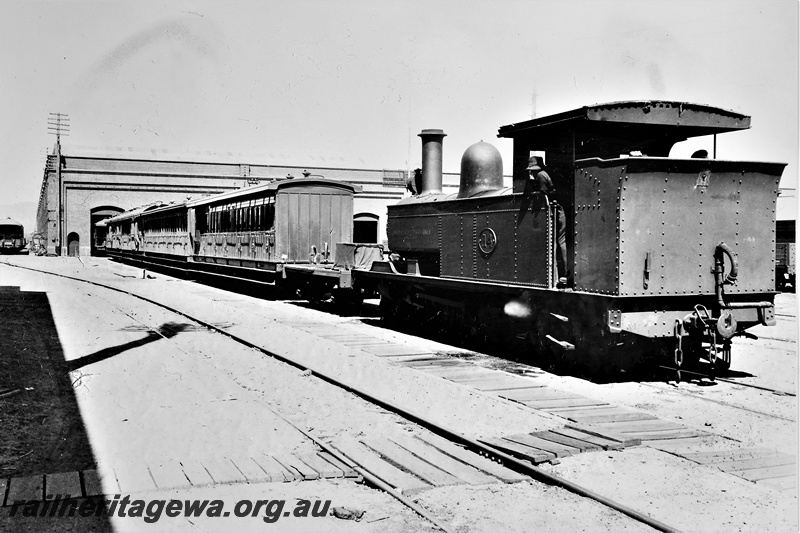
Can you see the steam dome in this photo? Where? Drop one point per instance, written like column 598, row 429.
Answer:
column 481, row 170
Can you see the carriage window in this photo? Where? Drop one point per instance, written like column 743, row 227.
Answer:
column 200, row 223
column 270, row 216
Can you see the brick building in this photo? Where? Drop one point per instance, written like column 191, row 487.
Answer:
column 80, row 188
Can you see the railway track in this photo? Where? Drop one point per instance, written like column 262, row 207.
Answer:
column 733, row 381
column 720, row 402
column 522, row 467
column 182, row 270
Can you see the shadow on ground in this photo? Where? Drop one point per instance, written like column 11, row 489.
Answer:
column 42, row 429
column 165, row 331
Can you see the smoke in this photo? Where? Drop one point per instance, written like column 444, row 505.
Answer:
column 161, row 85
column 517, row 309
column 193, row 38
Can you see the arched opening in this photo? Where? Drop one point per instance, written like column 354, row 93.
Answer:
column 73, row 244
column 365, row 228
column 99, row 232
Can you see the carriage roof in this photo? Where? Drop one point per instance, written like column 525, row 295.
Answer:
column 8, row 221
column 239, row 194
column 272, row 188
column 135, row 212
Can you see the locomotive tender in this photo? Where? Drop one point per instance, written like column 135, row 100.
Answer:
column 664, row 256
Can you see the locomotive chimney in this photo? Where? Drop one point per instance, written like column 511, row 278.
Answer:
column 432, row 160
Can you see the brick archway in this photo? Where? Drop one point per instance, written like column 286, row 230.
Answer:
column 73, row 244
column 99, row 232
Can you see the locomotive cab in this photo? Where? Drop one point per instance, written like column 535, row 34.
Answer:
column 677, row 244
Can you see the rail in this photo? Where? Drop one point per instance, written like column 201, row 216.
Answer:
column 508, row 460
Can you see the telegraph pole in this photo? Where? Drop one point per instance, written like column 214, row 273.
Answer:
column 58, row 125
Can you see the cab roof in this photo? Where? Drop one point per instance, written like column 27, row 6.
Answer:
column 651, row 126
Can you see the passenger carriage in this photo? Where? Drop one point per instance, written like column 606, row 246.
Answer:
column 253, row 232
column 12, row 236
column 291, row 221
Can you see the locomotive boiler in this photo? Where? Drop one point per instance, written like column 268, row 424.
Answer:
column 664, row 256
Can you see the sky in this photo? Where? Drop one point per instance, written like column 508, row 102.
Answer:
column 351, row 83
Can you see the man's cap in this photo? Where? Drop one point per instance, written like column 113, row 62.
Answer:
column 534, row 163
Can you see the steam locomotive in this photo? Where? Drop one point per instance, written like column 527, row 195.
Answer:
column 634, row 253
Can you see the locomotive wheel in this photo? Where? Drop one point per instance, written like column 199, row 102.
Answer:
column 316, row 298
column 538, row 355
column 389, row 311
column 542, row 354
